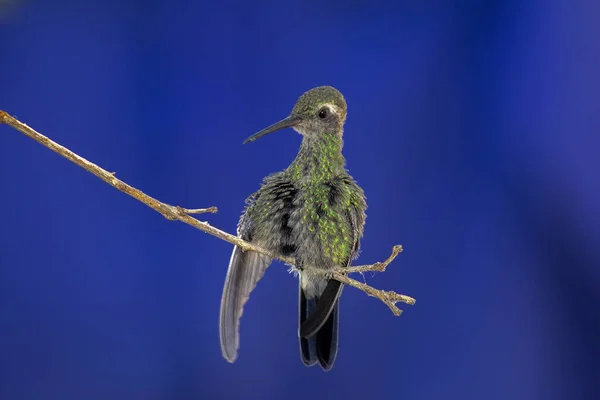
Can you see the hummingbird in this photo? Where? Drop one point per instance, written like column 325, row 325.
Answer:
column 313, row 212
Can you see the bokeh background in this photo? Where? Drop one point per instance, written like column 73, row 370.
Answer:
column 473, row 128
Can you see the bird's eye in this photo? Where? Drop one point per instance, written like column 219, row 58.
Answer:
column 323, row 112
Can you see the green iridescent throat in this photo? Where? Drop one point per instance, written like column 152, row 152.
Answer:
column 319, row 161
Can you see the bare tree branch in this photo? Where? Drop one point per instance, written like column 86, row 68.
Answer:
column 176, row 213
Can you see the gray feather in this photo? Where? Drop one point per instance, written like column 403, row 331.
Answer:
column 245, row 270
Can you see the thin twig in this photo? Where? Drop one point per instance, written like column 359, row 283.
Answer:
column 177, row 213
column 390, row 298
column 212, row 210
column 378, row 266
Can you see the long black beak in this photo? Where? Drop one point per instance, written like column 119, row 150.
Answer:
column 284, row 123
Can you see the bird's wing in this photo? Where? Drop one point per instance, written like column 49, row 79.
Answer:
column 245, row 270
column 356, row 215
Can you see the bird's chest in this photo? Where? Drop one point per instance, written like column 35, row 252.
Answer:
column 307, row 220
column 319, row 229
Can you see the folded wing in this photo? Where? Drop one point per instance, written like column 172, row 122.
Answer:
column 245, row 270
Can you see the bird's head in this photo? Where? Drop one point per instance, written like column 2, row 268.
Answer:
column 321, row 110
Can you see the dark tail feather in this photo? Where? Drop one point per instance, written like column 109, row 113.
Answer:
column 322, row 344
column 327, row 340
column 308, row 347
column 325, row 304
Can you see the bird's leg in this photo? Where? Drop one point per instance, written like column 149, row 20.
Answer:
column 295, row 268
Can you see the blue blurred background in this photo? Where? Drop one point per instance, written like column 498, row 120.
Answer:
column 473, row 128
